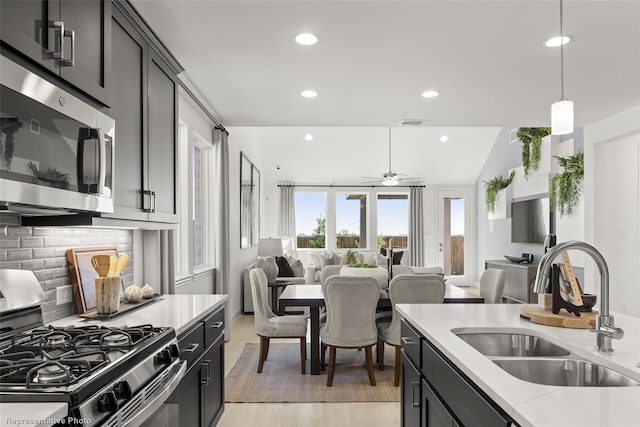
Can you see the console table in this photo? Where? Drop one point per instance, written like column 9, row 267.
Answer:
column 518, row 280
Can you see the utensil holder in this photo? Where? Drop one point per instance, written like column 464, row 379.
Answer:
column 108, row 294
column 558, row 302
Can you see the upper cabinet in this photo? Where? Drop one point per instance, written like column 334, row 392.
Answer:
column 71, row 39
column 145, row 108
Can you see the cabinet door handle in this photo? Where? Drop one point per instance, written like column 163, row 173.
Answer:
column 147, row 207
column 209, row 372
column 217, row 325
column 204, row 373
column 414, row 404
column 153, row 201
column 69, row 62
column 406, row 341
column 58, row 53
column 192, row 348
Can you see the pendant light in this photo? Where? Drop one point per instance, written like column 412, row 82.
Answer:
column 562, row 110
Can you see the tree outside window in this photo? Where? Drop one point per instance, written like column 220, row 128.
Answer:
column 311, row 220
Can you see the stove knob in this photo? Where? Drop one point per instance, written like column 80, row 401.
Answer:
column 174, row 350
column 122, row 390
column 164, row 357
column 108, row 402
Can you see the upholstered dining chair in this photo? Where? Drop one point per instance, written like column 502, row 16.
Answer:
column 492, row 285
column 268, row 325
column 406, row 289
column 350, row 323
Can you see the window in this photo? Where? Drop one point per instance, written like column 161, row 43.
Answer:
column 311, row 219
column 393, row 219
column 351, row 220
column 198, row 207
column 193, row 242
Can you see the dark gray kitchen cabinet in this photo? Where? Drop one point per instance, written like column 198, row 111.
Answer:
column 70, row 39
column 200, row 394
column 440, row 393
column 409, row 392
column 144, row 106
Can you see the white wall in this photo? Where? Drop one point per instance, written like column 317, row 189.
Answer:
column 612, row 204
column 240, row 140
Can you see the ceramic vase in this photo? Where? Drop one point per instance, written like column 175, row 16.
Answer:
column 269, row 266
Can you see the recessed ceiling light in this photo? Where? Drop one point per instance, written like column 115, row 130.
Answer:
column 430, row 94
column 309, row 93
column 444, row 138
column 555, row 41
column 306, row 39
column 308, row 137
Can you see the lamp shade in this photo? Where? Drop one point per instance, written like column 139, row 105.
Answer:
column 562, row 117
column 270, row 247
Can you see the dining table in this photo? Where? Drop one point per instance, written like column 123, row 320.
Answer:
column 310, row 295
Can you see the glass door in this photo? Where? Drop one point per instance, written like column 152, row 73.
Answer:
column 455, row 236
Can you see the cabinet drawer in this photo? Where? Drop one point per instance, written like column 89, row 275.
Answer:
column 470, row 406
column 213, row 326
column 410, row 340
column 192, row 343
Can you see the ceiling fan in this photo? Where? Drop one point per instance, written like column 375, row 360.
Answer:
column 388, row 178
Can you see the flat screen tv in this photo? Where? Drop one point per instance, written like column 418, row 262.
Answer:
column 530, row 220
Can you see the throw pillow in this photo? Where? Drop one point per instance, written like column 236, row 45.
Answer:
column 376, row 258
column 322, row 259
column 296, row 266
column 284, row 269
column 397, row 257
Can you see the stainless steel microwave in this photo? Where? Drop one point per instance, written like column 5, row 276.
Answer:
column 56, row 151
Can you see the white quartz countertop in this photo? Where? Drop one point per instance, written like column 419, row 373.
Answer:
column 531, row 404
column 32, row 414
column 177, row 311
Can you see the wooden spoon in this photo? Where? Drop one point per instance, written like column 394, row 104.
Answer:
column 122, row 263
column 101, row 264
column 113, row 262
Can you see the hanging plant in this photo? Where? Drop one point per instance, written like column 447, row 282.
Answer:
column 565, row 186
column 531, row 140
column 493, row 186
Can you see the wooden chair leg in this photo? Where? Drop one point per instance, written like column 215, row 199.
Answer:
column 369, row 357
column 266, row 353
column 323, row 349
column 396, row 376
column 264, row 345
column 380, row 348
column 303, row 354
column 332, row 365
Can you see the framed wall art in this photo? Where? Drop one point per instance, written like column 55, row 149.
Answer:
column 246, row 202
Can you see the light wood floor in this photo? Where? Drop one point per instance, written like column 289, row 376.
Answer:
column 370, row 414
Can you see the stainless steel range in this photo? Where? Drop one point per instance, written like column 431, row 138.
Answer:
column 107, row 376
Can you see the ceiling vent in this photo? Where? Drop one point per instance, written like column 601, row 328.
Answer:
column 412, row 122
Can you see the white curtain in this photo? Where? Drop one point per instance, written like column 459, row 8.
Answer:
column 221, row 209
column 416, row 226
column 287, row 214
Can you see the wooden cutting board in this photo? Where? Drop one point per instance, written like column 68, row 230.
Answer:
column 83, row 275
column 563, row 319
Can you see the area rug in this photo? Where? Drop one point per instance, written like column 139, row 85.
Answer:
column 281, row 380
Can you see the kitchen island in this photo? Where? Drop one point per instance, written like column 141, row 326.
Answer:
column 184, row 313
column 527, row 403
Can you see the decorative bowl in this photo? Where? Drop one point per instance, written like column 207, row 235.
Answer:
column 589, row 301
column 516, row 259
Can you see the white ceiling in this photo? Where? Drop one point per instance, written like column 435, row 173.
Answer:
column 374, row 59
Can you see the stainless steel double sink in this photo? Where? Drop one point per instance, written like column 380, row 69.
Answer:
column 535, row 359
